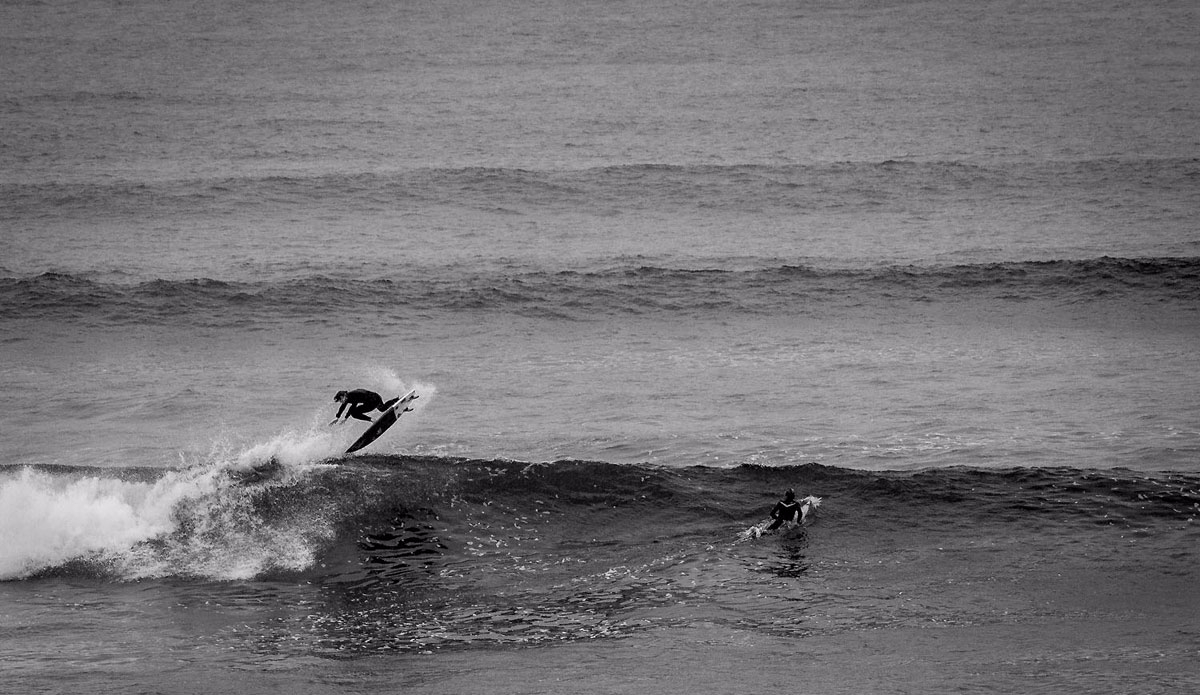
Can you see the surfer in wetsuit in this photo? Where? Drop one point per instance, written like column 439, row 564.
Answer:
column 360, row 402
column 787, row 510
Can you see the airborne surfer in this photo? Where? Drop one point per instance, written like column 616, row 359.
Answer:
column 360, row 402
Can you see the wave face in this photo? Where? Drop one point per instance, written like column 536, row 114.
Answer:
column 580, row 296
column 425, row 552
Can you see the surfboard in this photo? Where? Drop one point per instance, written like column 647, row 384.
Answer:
column 383, row 422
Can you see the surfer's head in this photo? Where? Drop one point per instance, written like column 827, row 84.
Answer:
column 789, row 495
column 340, row 396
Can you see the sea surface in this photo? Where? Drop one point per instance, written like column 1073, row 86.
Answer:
column 647, row 265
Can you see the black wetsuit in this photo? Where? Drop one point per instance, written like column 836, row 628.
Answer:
column 361, row 402
column 785, row 511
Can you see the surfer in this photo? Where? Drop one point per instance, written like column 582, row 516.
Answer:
column 360, row 402
column 786, row 511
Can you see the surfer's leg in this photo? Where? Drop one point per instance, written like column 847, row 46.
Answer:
column 360, row 414
column 389, row 404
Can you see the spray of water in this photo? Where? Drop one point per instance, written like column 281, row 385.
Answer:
column 220, row 518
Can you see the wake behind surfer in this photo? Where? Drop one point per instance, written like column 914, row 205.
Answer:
column 359, row 402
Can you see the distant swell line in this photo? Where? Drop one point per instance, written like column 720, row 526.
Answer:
column 634, row 186
column 577, row 295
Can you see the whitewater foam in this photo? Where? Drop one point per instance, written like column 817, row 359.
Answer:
column 46, row 520
column 200, row 521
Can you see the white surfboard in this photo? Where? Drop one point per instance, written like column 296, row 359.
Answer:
column 383, row 422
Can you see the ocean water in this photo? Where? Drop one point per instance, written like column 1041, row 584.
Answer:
column 648, row 265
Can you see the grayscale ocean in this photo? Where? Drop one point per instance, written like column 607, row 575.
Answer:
column 648, row 265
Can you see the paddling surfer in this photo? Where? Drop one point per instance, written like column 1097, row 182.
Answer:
column 787, row 511
column 360, row 402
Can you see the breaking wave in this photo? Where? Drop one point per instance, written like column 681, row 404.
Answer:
column 377, row 519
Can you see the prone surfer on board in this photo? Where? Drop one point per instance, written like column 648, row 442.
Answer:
column 787, row 511
column 360, row 402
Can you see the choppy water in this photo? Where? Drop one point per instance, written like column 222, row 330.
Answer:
column 648, row 265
